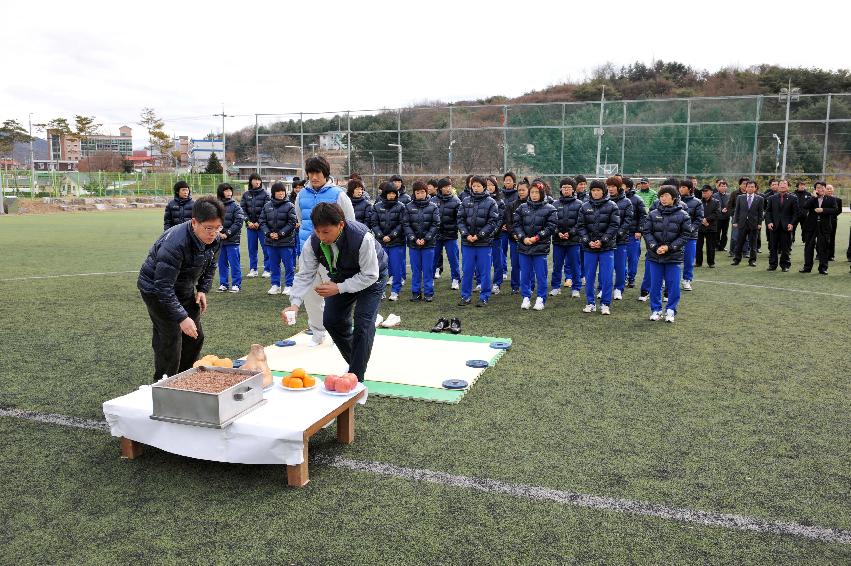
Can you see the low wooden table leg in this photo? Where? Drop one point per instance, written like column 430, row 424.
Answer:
column 346, row 426
column 297, row 475
column 131, row 449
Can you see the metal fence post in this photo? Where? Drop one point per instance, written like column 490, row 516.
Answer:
column 688, row 134
column 257, row 141
column 399, row 136
column 562, row 141
column 623, row 139
column 349, row 138
column 826, row 130
column 756, row 135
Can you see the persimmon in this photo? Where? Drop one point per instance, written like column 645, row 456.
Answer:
column 295, row 383
column 298, row 372
column 309, row 381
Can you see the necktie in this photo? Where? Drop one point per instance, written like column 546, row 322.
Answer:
column 781, row 199
column 750, row 200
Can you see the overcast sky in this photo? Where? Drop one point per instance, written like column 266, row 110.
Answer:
column 185, row 59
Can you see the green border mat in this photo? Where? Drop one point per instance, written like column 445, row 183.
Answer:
column 418, row 392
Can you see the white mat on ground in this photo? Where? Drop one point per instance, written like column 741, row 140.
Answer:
column 395, row 359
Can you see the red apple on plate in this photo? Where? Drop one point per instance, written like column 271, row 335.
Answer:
column 343, row 385
column 330, row 382
column 353, row 379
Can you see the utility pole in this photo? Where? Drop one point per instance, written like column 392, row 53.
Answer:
column 32, row 158
column 399, row 147
column 450, row 157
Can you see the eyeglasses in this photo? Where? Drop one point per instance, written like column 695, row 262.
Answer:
column 215, row 230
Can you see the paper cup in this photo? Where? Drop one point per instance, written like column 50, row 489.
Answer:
column 290, row 317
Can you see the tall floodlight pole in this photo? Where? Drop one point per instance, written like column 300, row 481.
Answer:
column 224, row 144
column 598, row 131
column 399, row 147
column 790, row 93
column 451, row 142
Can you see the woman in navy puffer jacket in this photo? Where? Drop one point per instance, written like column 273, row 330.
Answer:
column 599, row 223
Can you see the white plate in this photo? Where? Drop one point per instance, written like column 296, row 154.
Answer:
column 278, row 380
column 338, row 394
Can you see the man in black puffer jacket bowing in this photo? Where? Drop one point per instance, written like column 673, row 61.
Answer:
column 174, row 281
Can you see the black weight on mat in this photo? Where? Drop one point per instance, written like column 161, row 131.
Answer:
column 499, row 345
column 477, row 363
column 455, row 384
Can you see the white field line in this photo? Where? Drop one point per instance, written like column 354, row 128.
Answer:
column 788, row 290
column 69, row 275
column 617, row 505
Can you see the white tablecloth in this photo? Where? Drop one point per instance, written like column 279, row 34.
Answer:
column 271, row 434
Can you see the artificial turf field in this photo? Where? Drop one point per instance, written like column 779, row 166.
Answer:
column 742, row 406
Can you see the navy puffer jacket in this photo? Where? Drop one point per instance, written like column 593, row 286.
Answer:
column 361, row 206
column 639, row 211
column 695, row 212
column 178, row 265
column 385, row 219
column 625, row 213
column 535, row 220
column 177, row 211
column 599, row 220
column 279, row 216
column 567, row 218
column 232, row 226
column 669, row 225
column 478, row 216
column 448, row 206
column 252, row 203
column 421, row 222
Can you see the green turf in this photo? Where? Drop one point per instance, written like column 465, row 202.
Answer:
column 742, row 406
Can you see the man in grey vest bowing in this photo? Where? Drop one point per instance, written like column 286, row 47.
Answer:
column 357, row 273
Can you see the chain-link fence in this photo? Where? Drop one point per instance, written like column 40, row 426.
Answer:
column 802, row 136
column 105, row 184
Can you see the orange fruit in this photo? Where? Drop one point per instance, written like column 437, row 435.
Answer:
column 296, row 383
column 298, row 372
column 309, row 381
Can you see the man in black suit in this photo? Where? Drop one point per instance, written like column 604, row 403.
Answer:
column 747, row 220
column 708, row 227
column 723, row 198
column 833, row 222
column 803, row 196
column 820, row 210
column 781, row 210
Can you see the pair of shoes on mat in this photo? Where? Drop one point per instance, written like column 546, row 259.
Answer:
column 452, row 325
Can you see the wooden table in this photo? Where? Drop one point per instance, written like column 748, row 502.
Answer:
column 297, row 475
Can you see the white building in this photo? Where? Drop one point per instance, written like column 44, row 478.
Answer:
column 200, row 151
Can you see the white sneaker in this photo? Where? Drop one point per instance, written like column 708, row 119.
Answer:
column 686, row 287
column 526, row 303
column 669, row 315
column 539, row 304
column 286, row 290
column 590, row 307
column 403, row 282
column 394, row 296
column 266, row 274
column 378, row 320
column 234, row 289
column 252, row 273
column 599, row 294
column 604, row 309
column 495, row 290
column 478, row 289
column 315, row 341
column 617, row 295
column 389, row 281
column 654, row 316
column 392, row 320
column 643, row 298
column 555, row 292
column 274, row 290
column 456, row 284
column 222, row 288
column 574, row 295
column 437, row 274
